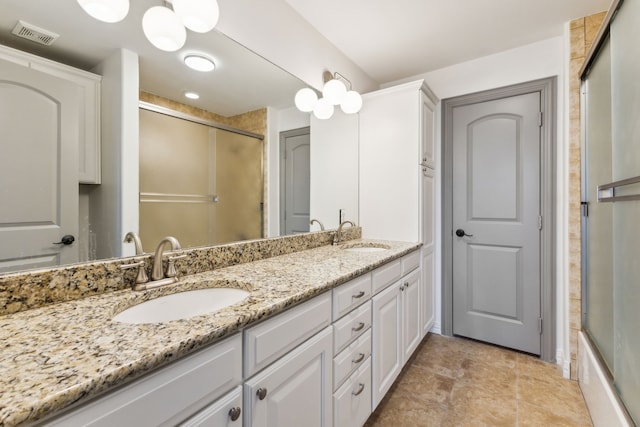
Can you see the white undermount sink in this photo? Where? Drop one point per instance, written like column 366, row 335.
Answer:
column 366, row 247
column 181, row 305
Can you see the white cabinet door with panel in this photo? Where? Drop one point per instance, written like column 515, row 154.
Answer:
column 387, row 340
column 411, row 325
column 294, row 391
column 224, row 412
column 352, row 401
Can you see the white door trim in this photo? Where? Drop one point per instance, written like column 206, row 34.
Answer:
column 547, row 89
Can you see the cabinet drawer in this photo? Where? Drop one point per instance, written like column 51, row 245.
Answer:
column 266, row 342
column 168, row 395
column 385, row 275
column 351, row 358
column 221, row 413
column 352, row 401
column 410, row 262
column 350, row 295
column 350, row 327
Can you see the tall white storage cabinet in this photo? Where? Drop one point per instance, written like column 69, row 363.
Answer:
column 397, row 175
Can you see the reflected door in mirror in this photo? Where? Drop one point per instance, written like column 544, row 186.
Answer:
column 38, row 168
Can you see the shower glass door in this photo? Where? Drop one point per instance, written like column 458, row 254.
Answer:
column 198, row 183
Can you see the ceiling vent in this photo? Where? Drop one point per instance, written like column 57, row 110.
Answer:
column 35, row 34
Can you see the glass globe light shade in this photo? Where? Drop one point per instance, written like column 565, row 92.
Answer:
column 352, row 102
column 106, row 10
column 197, row 15
column 164, row 29
column 333, row 91
column 306, row 99
column 323, row 109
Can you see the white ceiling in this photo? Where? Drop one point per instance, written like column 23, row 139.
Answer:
column 392, row 40
column 388, row 40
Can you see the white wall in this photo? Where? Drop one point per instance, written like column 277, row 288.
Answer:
column 114, row 203
column 531, row 62
column 273, row 30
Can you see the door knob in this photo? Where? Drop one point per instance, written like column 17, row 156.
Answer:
column 67, row 239
column 460, row 233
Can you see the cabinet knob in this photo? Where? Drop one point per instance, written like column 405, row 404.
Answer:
column 234, row 413
column 262, row 393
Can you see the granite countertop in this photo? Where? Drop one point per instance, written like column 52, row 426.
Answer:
column 60, row 354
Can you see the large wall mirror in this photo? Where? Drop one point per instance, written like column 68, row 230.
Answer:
column 242, row 84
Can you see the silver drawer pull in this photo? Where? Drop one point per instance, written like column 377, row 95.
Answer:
column 359, row 327
column 359, row 359
column 360, row 390
column 234, row 413
column 262, row 393
column 358, row 295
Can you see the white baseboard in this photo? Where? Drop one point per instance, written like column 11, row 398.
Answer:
column 564, row 363
column 602, row 401
column 436, row 328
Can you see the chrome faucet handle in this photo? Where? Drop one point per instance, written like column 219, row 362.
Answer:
column 141, row 277
column 338, row 236
column 171, row 267
column 157, row 271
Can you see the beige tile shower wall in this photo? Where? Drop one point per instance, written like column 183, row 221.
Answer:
column 582, row 32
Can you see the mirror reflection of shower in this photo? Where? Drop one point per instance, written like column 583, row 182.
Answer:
column 200, row 183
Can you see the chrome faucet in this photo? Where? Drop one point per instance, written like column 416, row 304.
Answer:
column 338, row 236
column 132, row 236
column 318, row 222
column 158, row 272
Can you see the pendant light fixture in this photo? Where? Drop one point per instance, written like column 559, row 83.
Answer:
column 106, row 10
column 334, row 92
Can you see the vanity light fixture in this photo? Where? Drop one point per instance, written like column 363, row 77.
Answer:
column 334, row 92
column 106, row 10
column 192, row 95
column 199, row 63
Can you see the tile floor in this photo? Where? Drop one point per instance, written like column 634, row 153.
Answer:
column 460, row 382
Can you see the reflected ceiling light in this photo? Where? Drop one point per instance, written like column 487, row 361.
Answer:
column 106, row 10
column 306, row 99
column 199, row 63
column 192, row 95
column 197, row 15
column 323, row 109
column 334, row 92
column 164, row 29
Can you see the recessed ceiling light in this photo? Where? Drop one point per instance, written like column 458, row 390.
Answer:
column 192, row 95
column 199, row 63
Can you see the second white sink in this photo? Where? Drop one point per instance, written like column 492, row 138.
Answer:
column 182, row 305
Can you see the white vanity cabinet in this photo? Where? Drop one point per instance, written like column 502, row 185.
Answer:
column 88, row 120
column 289, row 362
column 397, row 328
column 169, row 395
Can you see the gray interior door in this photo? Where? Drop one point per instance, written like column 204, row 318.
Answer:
column 294, row 181
column 496, row 204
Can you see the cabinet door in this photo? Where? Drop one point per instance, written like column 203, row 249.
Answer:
column 411, row 327
column 427, row 308
column 296, row 390
column 387, row 340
